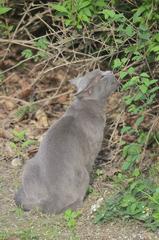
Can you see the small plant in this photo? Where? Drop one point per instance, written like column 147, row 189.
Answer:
column 20, row 142
column 89, row 190
column 4, row 27
column 27, row 53
column 3, row 9
column 25, row 110
column 99, row 172
column 77, row 13
column 1, row 78
column 22, row 235
column 40, row 53
column 19, row 212
column 139, row 200
column 145, row 92
column 71, row 218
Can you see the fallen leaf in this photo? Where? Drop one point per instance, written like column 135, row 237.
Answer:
column 5, row 134
column 10, row 105
column 16, row 162
column 25, row 92
column 42, row 118
column 129, row 138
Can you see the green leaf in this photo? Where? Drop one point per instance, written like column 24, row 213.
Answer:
column 68, row 22
column 131, row 70
column 156, row 37
column 58, row 7
column 42, row 43
column 129, row 31
column 27, row 53
column 127, row 200
column 4, row 10
column 138, row 96
column 83, row 17
column 28, row 143
column 128, row 100
column 12, row 145
column 155, row 89
column 136, row 172
column 108, row 13
column 125, row 129
column 139, row 121
column 100, row 3
column 124, row 60
column 129, row 162
column 143, row 88
column 154, row 49
column 132, row 149
column 132, row 82
column 144, row 74
column 136, row 16
column 19, row 135
column 84, row 5
column 119, row 18
column 123, row 74
column 146, row 81
column 87, row 12
column 117, row 63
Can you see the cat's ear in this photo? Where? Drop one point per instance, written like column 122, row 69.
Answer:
column 82, row 82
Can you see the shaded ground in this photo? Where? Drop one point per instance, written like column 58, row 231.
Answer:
column 52, row 97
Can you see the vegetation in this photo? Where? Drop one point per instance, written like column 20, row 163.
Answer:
column 113, row 34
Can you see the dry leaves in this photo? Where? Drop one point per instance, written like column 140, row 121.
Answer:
column 42, row 119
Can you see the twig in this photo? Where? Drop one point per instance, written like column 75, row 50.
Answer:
column 14, row 99
column 115, row 128
column 147, row 138
column 16, row 65
column 53, row 97
column 15, row 32
column 38, row 101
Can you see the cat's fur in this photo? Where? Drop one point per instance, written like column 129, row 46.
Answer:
column 57, row 177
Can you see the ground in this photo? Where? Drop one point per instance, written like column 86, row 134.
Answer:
column 18, row 225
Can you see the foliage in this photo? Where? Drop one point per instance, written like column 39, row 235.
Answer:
column 20, row 143
column 41, row 46
column 139, row 200
column 4, row 27
column 23, row 235
column 78, row 13
column 70, row 217
column 23, row 111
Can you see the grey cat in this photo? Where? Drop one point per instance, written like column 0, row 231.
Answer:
column 57, row 177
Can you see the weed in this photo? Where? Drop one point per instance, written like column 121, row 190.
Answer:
column 41, row 46
column 138, row 200
column 4, row 27
column 78, row 13
column 19, row 212
column 25, row 110
column 71, row 218
column 20, row 143
column 21, row 234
